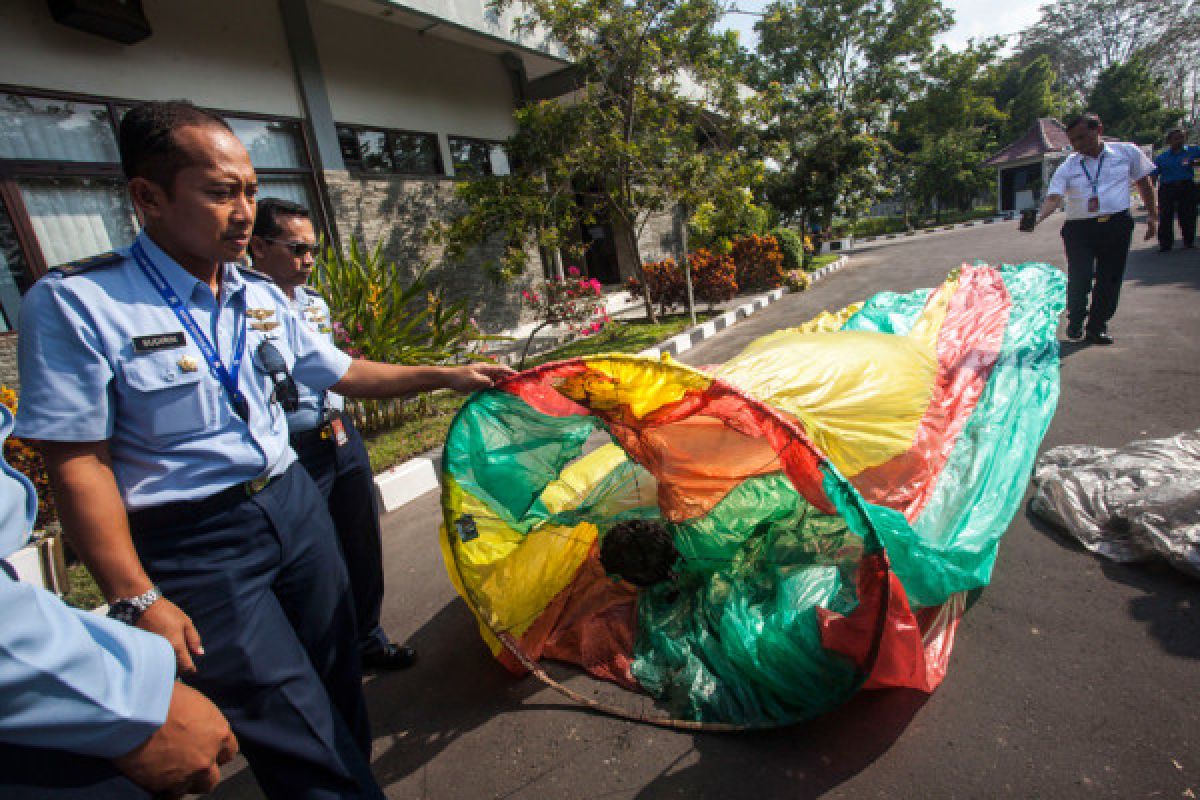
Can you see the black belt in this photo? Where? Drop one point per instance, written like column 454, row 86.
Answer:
column 170, row 514
column 1184, row 182
column 1103, row 217
column 321, row 433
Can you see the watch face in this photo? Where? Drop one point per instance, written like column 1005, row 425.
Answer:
column 123, row 612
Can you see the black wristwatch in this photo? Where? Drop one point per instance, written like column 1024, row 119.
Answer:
column 129, row 610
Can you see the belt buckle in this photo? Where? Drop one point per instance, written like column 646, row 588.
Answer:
column 257, row 485
column 1104, row 218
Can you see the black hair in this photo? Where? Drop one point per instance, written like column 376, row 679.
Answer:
column 147, row 140
column 270, row 209
column 1174, row 131
column 1089, row 118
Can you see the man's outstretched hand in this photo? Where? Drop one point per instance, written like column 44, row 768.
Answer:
column 474, row 377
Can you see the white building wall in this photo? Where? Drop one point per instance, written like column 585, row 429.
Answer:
column 382, row 73
column 225, row 54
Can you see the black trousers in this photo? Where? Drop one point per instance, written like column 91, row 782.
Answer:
column 1096, row 255
column 343, row 474
column 1176, row 200
column 265, row 587
column 34, row 773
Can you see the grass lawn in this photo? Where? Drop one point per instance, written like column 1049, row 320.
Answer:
column 420, row 435
column 823, row 261
column 84, row 592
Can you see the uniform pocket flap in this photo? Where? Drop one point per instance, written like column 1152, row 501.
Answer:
column 156, row 371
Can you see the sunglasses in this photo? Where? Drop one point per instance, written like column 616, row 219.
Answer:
column 271, row 361
column 297, row 249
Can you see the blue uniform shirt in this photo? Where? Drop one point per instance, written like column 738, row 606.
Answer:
column 102, row 356
column 69, row 679
column 1177, row 167
column 313, row 312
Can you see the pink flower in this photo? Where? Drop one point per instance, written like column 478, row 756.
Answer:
column 573, row 272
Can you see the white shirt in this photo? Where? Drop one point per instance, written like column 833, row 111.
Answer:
column 1118, row 165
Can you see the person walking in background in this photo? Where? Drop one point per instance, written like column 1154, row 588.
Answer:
column 326, row 441
column 1175, row 169
column 1095, row 182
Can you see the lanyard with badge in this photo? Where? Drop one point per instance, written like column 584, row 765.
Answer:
column 226, row 377
column 1094, row 200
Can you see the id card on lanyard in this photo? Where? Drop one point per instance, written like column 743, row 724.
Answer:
column 228, row 378
column 1094, row 201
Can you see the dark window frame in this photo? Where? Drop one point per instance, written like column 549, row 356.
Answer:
column 11, row 170
column 355, row 166
column 450, row 138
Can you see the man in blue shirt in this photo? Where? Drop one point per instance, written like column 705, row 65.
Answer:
column 89, row 707
column 155, row 381
column 1176, row 191
column 326, row 440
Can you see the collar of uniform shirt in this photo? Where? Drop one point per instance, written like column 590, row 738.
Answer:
column 185, row 283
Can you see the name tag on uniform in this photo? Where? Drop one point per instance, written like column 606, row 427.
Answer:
column 158, row 341
column 1093, row 204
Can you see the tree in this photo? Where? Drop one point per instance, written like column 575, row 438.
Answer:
column 943, row 135
column 656, row 121
column 1033, row 98
column 1126, row 97
column 841, row 67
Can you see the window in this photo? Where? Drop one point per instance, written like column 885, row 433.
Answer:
column 62, row 194
column 386, row 152
column 475, row 157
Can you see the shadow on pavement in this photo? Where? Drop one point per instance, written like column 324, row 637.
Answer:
column 1169, row 603
column 819, row 755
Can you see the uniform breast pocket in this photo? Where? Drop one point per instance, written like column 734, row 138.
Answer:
column 165, row 397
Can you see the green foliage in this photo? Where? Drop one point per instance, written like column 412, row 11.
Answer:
column 1034, row 98
column 379, row 316
column 632, row 140
column 1127, row 98
column 839, row 69
column 791, row 245
column 714, row 226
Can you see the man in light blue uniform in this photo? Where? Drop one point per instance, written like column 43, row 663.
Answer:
column 89, row 707
column 1175, row 169
column 155, row 382
column 326, row 441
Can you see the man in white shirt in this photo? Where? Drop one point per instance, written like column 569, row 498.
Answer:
column 1095, row 181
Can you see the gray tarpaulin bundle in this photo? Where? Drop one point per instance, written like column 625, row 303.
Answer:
column 1134, row 503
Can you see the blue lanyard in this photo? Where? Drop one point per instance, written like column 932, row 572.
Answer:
column 226, row 377
column 1099, row 165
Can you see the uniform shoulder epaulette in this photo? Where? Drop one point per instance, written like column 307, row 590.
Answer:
column 312, row 291
column 87, row 264
column 253, row 273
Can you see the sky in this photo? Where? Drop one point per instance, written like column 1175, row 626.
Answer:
column 973, row 19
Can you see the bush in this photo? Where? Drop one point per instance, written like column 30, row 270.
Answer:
column 573, row 301
column 714, row 277
column 797, row 280
column 791, row 245
column 28, row 462
column 758, row 262
column 378, row 316
column 878, row 226
column 714, row 280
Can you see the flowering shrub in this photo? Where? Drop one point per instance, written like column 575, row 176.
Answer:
column 28, row 462
column 713, row 280
column 797, row 280
column 759, row 262
column 574, row 302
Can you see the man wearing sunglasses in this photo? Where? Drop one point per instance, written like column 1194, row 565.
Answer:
column 326, row 441
column 154, row 381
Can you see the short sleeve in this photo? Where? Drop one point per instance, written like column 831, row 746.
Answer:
column 319, row 364
column 1058, row 181
column 66, row 377
column 1140, row 164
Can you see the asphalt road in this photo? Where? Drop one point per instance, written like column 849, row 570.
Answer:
column 1071, row 678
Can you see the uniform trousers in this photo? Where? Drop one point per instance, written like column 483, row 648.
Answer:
column 264, row 584
column 343, row 474
column 34, row 773
column 1096, row 255
column 1176, row 200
